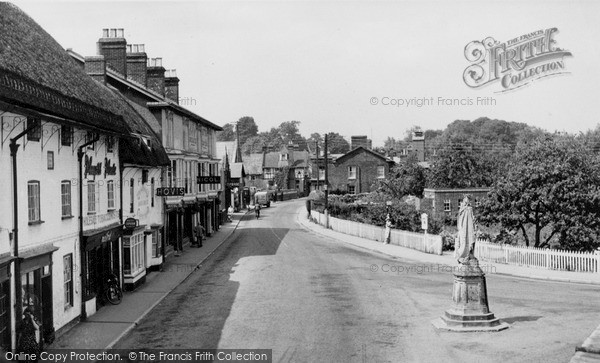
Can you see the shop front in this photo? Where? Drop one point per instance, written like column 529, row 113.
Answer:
column 101, row 257
column 36, row 287
column 134, row 256
column 5, row 299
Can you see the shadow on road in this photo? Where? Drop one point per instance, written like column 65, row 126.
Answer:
column 195, row 313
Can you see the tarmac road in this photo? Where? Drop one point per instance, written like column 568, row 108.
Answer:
column 310, row 298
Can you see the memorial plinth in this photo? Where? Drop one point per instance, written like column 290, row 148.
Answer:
column 470, row 311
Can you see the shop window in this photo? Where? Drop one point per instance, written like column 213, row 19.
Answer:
column 65, row 191
column 133, row 254
column 68, row 280
column 33, row 199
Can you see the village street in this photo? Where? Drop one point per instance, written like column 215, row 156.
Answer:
column 276, row 285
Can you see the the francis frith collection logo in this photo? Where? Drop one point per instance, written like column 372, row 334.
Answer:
column 514, row 63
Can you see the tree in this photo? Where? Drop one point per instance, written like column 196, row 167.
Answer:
column 552, row 188
column 406, row 178
column 281, row 177
column 247, row 128
column 336, row 144
column 228, row 133
column 459, row 165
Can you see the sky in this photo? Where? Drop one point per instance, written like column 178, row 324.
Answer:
column 347, row 66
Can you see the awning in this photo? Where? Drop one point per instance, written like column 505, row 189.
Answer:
column 36, row 257
column 96, row 237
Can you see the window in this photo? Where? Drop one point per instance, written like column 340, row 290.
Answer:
column 33, row 199
column 50, row 160
column 284, row 157
column 156, row 243
column 110, row 144
column 91, row 197
column 152, row 192
column 34, row 134
column 65, row 192
column 351, row 189
column 110, row 193
column 133, row 254
column 185, row 133
column 131, row 194
column 5, row 321
column 321, row 173
column 68, row 279
column 269, row 173
column 169, row 127
column 447, row 205
column 174, row 172
column 380, row 171
column 66, row 135
column 89, row 136
column 352, row 172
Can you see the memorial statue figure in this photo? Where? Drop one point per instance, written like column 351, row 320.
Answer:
column 465, row 241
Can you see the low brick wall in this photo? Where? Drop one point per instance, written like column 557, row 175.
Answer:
column 429, row 243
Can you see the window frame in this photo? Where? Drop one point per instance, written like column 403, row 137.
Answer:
column 352, row 172
column 110, row 195
column 63, row 195
column 68, row 280
column 34, row 134
column 91, row 197
column 36, row 200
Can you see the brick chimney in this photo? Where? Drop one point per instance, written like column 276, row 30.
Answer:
column 95, row 67
column 172, row 85
column 113, row 46
column 357, row 141
column 156, row 76
column 137, row 61
column 418, row 144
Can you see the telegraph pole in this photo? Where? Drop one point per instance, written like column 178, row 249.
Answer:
column 318, row 167
column 326, row 183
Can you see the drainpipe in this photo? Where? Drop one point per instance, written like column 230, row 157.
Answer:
column 14, row 147
column 121, row 169
column 80, row 154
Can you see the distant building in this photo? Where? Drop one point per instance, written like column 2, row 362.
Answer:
column 446, row 202
column 357, row 171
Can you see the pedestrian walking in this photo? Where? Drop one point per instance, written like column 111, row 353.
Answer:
column 388, row 229
column 230, row 214
column 199, row 235
column 28, row 341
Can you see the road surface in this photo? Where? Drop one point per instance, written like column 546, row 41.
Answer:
column 275, row 285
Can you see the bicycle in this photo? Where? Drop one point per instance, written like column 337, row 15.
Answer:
column 112, row 290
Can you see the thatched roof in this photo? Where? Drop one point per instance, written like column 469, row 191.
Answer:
column 38, row 74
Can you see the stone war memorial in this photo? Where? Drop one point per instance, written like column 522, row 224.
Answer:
column 470, row 311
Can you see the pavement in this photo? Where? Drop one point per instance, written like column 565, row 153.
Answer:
column 447, row 259
column 112, row 322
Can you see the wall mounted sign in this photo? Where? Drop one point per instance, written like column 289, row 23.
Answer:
column 209, row 179
column 166, row 192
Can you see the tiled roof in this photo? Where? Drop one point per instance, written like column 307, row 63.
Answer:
column 37, row 73
column 253, row 164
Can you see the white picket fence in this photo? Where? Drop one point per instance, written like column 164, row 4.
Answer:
column 429, row 243
column 538, row 257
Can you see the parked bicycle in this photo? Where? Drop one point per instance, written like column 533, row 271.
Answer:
column 112, row 290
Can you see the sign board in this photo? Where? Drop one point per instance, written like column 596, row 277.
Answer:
column 167, row 192
column 209, row 179
column 130, row 223
column 424, row 221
